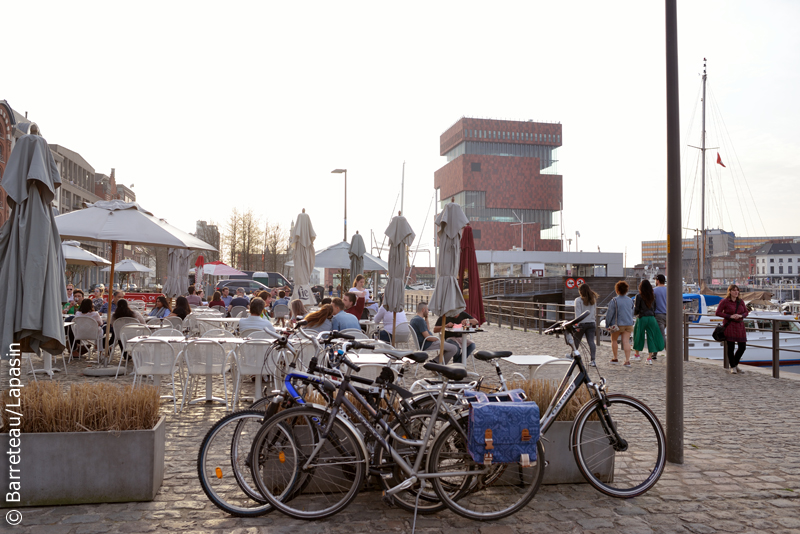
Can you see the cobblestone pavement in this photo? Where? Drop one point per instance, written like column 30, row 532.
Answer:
column 741, row 470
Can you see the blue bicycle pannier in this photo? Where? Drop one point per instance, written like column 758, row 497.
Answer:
column 503, row 432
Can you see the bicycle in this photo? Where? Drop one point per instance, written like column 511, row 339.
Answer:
column 311, row 461
column 624, row 454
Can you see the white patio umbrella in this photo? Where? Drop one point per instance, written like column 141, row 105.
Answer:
column 302, row 240
column 220, row 269
column 338, row 257
column 128, row 223
column 401, row 236
column 75, row 255
column 31, row 259
column 128, row 266
column 447, row 298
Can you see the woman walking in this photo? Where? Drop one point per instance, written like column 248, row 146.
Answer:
column 586, row 302
column 644, row 308
column 619, row 321
column 734, row 310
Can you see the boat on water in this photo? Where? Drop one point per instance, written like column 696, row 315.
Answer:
column 758, row 324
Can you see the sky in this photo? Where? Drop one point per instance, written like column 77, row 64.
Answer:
column 205, row 107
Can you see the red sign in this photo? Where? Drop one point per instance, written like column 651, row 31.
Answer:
column 570, row 283
column 144, row 297
column 580, row 281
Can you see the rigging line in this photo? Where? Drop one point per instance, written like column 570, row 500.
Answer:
column 394, row 208
column 419, row 243
column 736, row 156
column 716, row 116
column 689, row 128
column 693, row 189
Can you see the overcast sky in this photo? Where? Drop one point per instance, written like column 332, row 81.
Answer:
column 206, row 106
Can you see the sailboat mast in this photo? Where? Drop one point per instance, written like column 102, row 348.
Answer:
column 703, row 179
column 402, row 187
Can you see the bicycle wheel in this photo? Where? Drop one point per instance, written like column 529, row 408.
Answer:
column 627, row 469
column 283, row 447
column 409, row 425
column 223, row 464
column 490, row 493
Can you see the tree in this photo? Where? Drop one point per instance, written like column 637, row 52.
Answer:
column 276, row 247
column 251, row 239
column 233, row 237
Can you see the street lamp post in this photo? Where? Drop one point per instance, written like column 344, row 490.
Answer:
column 340, row 171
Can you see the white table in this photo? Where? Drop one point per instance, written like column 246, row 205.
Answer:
column 463, row 333
column 531, row 360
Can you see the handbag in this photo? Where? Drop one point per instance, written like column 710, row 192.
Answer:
column 719, row 333
column 503, row 432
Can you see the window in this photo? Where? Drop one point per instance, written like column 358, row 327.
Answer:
column 476, row 167
column 790, row 269
column 772, row 270
column 476, row 234
column 780, row 269
column 772, row 260
column 789, row 260
column 780, row 260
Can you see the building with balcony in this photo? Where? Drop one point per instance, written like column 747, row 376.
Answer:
column 503, row 173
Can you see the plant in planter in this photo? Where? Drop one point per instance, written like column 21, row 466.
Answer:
column 88, row 443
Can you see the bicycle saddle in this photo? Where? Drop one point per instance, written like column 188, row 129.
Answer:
column 485, row 355
column 453, row 373
column 577, row 319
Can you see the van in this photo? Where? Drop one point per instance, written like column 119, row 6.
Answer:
column 271, row 279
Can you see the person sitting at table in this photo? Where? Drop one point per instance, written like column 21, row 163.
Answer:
column 226, row 296
column 388, row 318
column 238, row 300
column 115, row 296
column 466, row 320
column 254, row 321
column 123, row 310
column 192, row 298
column 426, row 340
column 298, row 310
column 282, row 299
column 266, row 296
column 202, row 294
column 326, row 300
column 97, row 299
column 70, row 293
column 353, row 304
column 181, row 309
column 341, row 319
column 161, row 308
column 86, row 309
column 72, row 308
column 360, row 290
column 320, row 320
column 216, row 300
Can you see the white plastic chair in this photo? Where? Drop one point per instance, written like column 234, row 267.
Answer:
column 177, row 322
column 191, row 325
column 153, row 320
column 128, row 331
column 251, row 359
column 261, row 334
column 156, row 357
column 85, row 331
column 355, row 332
column 236, row 311
column 281, row 311
column 216, row 332
column 167, row 332
column 220, row 309
column 205, row 358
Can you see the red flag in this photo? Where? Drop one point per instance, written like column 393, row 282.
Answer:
column 719, row 160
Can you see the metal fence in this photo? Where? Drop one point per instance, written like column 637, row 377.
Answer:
column 521, row 286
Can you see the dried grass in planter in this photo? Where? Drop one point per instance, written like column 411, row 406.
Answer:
column 49, row 407
column 543, row 391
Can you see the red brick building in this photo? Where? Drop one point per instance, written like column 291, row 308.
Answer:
column 501, row 171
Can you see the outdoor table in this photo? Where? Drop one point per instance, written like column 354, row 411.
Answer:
column 531, row 360
column 371, row 326
column 463, row 333
column 47, row 358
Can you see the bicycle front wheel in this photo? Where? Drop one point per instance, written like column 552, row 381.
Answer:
column 621, row 452
column 223, row 465
column 476, row 491
column 331, row 479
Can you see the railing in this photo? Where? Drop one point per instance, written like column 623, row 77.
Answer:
column 521, row 286
column 774, row 346
column 536, row 316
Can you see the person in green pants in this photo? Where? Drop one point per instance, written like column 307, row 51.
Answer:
column 644, row 308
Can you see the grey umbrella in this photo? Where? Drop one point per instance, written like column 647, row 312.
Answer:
column 447, row 298
column 401, row 236
column 357, row 251
column 177, row 282
column 302, row 240
column 31, row 259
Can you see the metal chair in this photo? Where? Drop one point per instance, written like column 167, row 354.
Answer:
column 216, row 332
column 220, row 309
column 236, row 311
column 128, row 331
column 167, row 332
column 261, row 334
column 251, row 359
column 177, row 322
column 156, row 357
column 281, row 311
column 85, row 331
column 191, row 325
column 117, row 327
column 205, row 358
column 153, row 320
column 355, row 332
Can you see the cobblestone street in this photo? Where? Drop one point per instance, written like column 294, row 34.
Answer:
column 741, row 470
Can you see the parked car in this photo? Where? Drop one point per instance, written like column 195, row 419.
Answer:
column 249, row 286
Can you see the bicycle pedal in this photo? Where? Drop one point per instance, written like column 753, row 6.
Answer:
column 388, row 500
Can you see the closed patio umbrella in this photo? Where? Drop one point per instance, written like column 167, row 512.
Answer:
column 447, row 298
column 471, row 283
column 401, row 236
column 31, row 259
column 116, row 221
column 302, row 240
column 177, row 282
column 357, row 251
column 199, row 272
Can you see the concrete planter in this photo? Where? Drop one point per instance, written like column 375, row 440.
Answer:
column 88, row 467
column 561, row 465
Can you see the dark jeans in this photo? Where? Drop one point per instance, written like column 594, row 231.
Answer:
column 385, row 336
column 457, row 343
column 588, row 330
column 734, row 358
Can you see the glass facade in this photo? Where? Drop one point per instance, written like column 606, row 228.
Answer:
column 547, row 155
column 474, row 205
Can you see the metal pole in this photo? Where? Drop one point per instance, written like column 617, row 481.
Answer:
column 402, row 187
column 776, row 351
column 674, row 259
column 685, row 338
column 345, row 206
column 703, row 180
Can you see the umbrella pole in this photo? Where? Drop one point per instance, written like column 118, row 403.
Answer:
column 441, row 341
column 394, row 326
column 110, row 296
